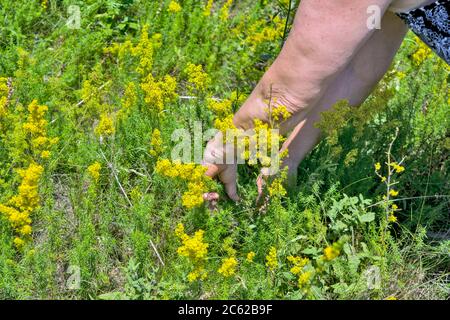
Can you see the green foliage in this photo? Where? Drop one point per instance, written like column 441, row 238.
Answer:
column 119, row 229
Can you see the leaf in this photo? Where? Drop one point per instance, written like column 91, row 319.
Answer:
column 311, row 251
column 115, row 295
column 300, row 237
column 288, row 276
column 368, row 217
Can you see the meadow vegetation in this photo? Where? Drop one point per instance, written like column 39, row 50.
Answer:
column 89, row 192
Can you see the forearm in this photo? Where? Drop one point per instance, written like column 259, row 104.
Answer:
column 353, row 84
column 311, row 58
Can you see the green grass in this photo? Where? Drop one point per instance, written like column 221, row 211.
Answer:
column 104, row 231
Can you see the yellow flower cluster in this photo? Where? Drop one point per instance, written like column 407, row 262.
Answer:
column 198, row 80
column 105, row 126
column 220, row 107
column 143, row 50
column 331, row 252
column 422, row 53
column 224, row 124
column 128, row 100
column 156, row 143
column 298, row 264
column 159, row 93
column 228, row 267
column 279, row 113
column 36, row 127
column 90, row 95
column 94, row 170
column 393, row 167
column 21, row 206
column 224, row 108
column 276, row 187
column 174, row 7
column 191, row 173
column 271, row 259
column 3, row 96
column 250, row 256
column 208, row 7
column 260, row 32
column 398, row 168
column 304, row 277
column 304, row 280
column 195, row 249
column 391, row 217
column 263, row 138
column 225, row 10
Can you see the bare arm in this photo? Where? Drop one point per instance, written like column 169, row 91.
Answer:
column 325, row 37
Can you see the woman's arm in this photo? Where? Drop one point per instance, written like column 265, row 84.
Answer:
column 325, row 37
column 354, row 84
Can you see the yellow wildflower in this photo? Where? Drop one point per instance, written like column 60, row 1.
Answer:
column 194, row 247
column 271, row 259
column 159, row 93
column 128, row 100
column 198, row 273
column 398, row 168
column 193, row 197
column 21, row 206
column 18, row 242
column 28, row 197
column 331, row 252
column 198, row 80
column 225, row 10
column 220, row 108
column 377, row 166
column 174, row 7
column 298, row 263
column 279, row 113
column 304, row 279
column 94, row 170
column 393, row 193
column 4, row 90
column 276, row 188
column 224, row 124
column 392, row 217
column 36, row 128
column 45, row 154
column 156, row 143
column 250, row 256
column 195, row 250
column 228, row 267
column 105, row 126
column 260, row 32
column 193, row 174
column 144, row 50
column 208, row 7
column 422, row 53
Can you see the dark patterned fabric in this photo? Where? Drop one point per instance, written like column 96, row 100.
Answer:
column 431, row 23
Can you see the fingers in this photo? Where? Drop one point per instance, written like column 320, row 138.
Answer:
column 260, row 184
column 212, row 170
column 228, row 177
